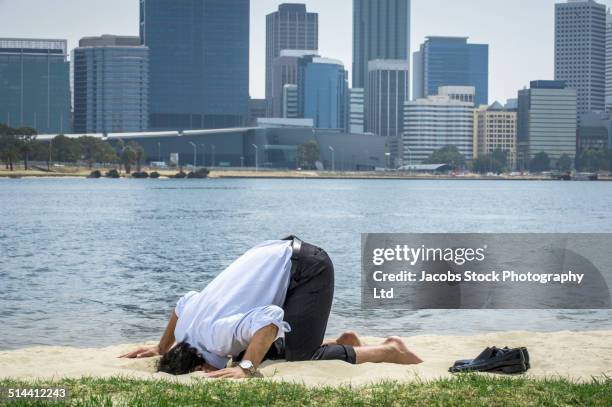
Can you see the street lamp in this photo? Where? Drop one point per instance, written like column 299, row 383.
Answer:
column 256, row 156
column 195, row 154
column 159, row 152
column 333, row 152
column 213, row 154
column 388, row 155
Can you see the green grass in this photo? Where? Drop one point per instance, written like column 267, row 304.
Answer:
column 468, row 390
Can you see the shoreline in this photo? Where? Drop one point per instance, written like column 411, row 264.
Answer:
column 549, row 352
column 298, row 175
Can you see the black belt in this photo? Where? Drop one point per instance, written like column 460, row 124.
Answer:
column 296, row 249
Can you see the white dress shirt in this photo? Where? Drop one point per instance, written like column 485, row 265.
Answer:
column 220, row 321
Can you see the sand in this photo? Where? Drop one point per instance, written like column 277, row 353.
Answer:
column 578, row 356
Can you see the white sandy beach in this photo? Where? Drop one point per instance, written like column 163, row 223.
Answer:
column 578, row 356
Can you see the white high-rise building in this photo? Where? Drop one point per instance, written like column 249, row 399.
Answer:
column 433, row 123
column 580, row 51
column 356, row 111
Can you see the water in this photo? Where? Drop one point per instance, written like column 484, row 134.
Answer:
column 100, row 262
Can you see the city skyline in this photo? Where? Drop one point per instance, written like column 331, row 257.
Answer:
column 516, row 57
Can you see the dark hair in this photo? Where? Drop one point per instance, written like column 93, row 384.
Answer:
column 181, row 359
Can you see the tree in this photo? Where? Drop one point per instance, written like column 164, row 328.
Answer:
column 139, row 154
column 540, row 162
column 9, row 148
column 565, row 163
column 94, row 150
column 26, row 137
column 65, row 150
column 309, row 153
column 447, row 155
column 128, row 157
column 594, row 160
column 501, row 157
column 487, row 163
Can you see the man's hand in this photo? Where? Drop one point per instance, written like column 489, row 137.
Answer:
column 228, row 373
column 142, row 353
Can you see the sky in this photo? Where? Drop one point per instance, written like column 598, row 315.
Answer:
column 520, row 33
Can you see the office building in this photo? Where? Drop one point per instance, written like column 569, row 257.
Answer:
column 381, row 30
column 546, row 121
column 608, row 95
column 386, row 91
column 285, row 72
column 495, row 129
column 460, row 93
column 356, row 111
column 290, row 102
column 35, row 84
column 322, row 89
column 111, row 85
column 199, row 62
column 433, row 123
column 257, row 110
column 292, row 27
column 580, row 48
column 451, row 61
column 595, row 132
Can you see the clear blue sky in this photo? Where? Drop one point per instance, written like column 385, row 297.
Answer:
column 519, row 32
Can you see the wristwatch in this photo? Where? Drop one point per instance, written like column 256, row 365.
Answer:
column 248, row 367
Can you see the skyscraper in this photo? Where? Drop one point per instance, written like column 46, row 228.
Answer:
column 608, row 97
column 289, row 28
column 580, row 47
column 35, row 84
column 284, row 72
column 199, row 62
column 322, row 89
column 111, row 85
column 386, row 91
column 381, row 30
column 257, row 110
column 546, row 121
column 444, row 61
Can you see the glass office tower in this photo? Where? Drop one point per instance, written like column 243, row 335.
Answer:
column 451, row 61
column 199, row 62
column 111, row 85
column 35, row 85
column 322, row 88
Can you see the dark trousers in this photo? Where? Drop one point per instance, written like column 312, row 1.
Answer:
column 307, row 307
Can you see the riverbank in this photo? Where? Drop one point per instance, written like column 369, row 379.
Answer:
column 78, row 172
column 553, row 355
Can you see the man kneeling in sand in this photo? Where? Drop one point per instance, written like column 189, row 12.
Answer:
column 271, row 303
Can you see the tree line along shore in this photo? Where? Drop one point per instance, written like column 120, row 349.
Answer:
column 22, row 155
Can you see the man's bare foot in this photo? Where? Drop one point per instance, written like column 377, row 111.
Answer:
column 401, row 354
column 349, row 338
